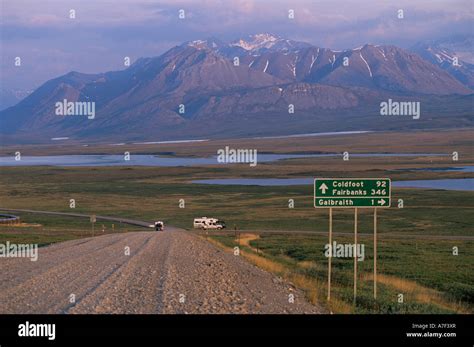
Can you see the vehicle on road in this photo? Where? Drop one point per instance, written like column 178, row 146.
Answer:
column 206, row 223
column 159, row 226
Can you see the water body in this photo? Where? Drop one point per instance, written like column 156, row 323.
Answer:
column 446, row 184
column 466, row 184
column 333, row 133
column 104, row 160
column 312, row 134
column 153, row 160
column 168, row 142
column 467, row 168
column 258, row 181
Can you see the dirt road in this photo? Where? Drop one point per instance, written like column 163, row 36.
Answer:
column 143, row 272
column 139, row 223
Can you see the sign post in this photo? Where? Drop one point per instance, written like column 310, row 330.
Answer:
column 355, row 255
column 352, row 193
column 375, row 253
column 330, row 254
column 93, row 220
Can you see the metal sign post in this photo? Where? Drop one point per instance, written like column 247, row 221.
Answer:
column 355, row 255
column 352, row 193
column 375, row 253
column 93, row 220
column 330, row 254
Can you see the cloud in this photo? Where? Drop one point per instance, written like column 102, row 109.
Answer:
column 105, row 30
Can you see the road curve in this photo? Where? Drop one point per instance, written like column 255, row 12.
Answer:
column 81, row 215
column 164, row 272
column 260, row 231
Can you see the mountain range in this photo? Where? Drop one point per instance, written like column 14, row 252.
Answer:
column 11, row 96
column 210, row 88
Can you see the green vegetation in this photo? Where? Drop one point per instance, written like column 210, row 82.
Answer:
column 422, row 267
column 157, row 191
column 426, row 272
column 46, row 229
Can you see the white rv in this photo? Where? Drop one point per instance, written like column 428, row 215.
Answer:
column 208, row 223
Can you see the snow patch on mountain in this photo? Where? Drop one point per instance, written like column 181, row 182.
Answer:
column 266, row 66
column 257, row 41
column 367, row 64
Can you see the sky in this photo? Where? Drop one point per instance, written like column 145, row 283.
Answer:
column 103, row 32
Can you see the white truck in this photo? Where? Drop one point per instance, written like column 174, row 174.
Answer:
column 206, row 223
column 159, row 226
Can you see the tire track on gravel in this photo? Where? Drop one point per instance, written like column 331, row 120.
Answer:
column 134, row 287
column 214, row 281
column 49, row 291
column 10, row 277
column 166, row 272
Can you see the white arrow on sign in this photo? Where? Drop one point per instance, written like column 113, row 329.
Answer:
column 381, row 202
column 323, row 188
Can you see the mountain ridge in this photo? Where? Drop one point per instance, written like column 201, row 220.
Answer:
column 203, row 79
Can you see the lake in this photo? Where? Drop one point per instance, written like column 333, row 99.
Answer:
column 466, row 184
column 153, row 160
column 466, row 168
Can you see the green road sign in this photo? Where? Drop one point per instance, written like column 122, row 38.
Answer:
column 352, row 192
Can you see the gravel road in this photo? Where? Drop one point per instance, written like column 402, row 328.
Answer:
column 163, row 272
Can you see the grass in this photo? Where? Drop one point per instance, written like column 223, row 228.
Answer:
column 50, row 229
column 436, row 141
column 426, row 289
column 245, row 207
column 430, row 277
